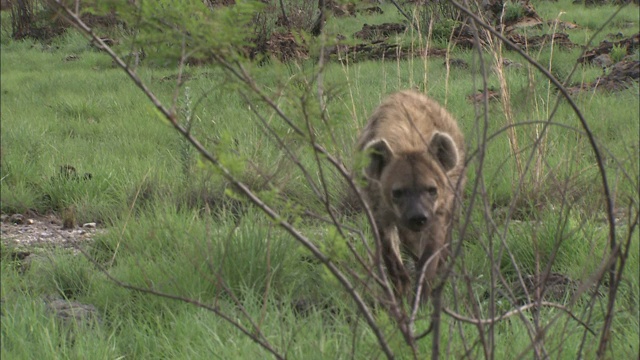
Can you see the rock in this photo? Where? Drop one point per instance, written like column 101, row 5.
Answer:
column 556, row 287
column 562, row 25
column 375, row 50
column 371, row 10
column 603, row 60
column 28, row 261
column 508, row 64
column 29, row 222
column 605, row 47
column 339, row 10
column 72, row 57
column 105, row 40
column 535, row 42
column 17, row 219
column 44, row 231
column 526, row 22
column 71, row 311
column 616, row 36
column 20, row 255
column 382, row 31
column 90, row 225
column 478, row 98
column 457, row 63
column 621, row 76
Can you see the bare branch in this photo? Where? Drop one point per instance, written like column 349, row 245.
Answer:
column 514, row 312
column 406, row 16
column 271, row 213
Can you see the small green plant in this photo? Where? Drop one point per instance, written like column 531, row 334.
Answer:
column 513, row 11
column 618, row 53
column 170, row 227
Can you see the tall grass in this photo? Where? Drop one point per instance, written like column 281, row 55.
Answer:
column 175, row 226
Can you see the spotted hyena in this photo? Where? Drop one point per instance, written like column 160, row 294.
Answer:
column 414, row 175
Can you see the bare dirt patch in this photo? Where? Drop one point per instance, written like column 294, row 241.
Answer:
column 606, row 47
column 621, row 76
column 536, row 42
column 287, row 46
column 26, row 233
column 379, row 32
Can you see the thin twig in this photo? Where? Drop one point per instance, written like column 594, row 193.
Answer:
column 395, row 3
column 574, row 107
column 514, row 312
column 226, row 173
column 257, row 337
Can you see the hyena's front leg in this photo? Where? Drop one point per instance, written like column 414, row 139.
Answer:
column 432, row 260
column 432, row 255
column 398, row 273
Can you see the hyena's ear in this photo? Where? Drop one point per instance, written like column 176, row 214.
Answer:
column 379, row 153
column 444, row 149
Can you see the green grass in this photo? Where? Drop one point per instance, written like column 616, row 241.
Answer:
column 174, row 225
column 591, row 18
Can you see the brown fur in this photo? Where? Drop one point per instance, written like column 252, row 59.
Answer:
column 414, row 177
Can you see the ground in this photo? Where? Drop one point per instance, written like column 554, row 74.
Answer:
column 26, row 233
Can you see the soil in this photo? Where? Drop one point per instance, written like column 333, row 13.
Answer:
column 615, row 77
column 553, row 287
column 620, row 76
column 24, row 238
column 376, row 50
column 379, row 32
column 285, row 47
column 24, row 234
column 536, row 42
column 630, row 44
column 463, row 37
column 478, row 98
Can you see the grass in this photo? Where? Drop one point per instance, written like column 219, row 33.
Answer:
column 174, row 226
column 591, row 18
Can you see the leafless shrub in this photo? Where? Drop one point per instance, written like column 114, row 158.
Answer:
column 33, row 19
column 471, row 305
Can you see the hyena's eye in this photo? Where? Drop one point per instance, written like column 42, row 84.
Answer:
column 432, row 190
column 397, row 194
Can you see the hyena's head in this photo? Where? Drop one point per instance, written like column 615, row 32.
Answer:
column 414, row 185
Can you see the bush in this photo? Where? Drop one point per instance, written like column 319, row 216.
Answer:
column 34, row 19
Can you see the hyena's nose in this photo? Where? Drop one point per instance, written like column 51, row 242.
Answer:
column 417, row 222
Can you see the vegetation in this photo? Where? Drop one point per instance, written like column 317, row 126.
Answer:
column 189, row 266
